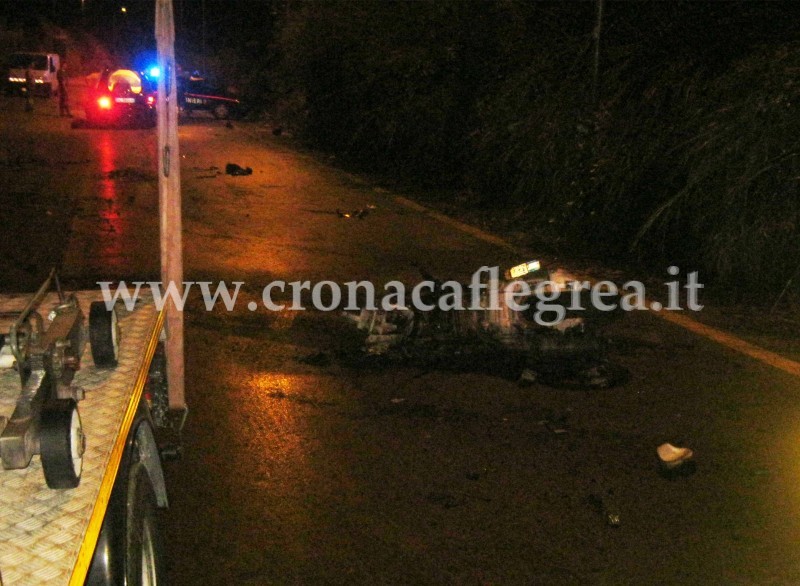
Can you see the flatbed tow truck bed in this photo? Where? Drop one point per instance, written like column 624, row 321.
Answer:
column 49, row 536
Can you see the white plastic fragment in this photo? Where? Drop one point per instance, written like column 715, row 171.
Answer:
column 7, row 359
column 673, row 456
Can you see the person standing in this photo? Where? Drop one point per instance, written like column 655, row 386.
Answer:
column 63, row 96
column 30, row 86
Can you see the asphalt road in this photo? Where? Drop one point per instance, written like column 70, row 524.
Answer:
column 304, row 471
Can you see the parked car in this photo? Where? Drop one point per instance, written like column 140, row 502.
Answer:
column 195, row 94
column 121, row 97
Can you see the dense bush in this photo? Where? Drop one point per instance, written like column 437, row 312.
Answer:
column 739, row 199
column 686, row 153
column 387, row 85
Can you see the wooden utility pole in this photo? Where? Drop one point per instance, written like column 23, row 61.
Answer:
column 169, row 197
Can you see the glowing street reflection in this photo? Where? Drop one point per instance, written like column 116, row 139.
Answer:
column 113, row 231
column 274, row 398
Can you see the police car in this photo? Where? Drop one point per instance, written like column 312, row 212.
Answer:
column 195, row 94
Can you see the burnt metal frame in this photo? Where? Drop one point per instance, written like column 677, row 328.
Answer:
column 46, row 361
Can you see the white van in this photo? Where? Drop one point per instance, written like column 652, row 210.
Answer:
column 45, row 67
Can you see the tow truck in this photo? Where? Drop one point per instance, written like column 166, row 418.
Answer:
column 91, row 401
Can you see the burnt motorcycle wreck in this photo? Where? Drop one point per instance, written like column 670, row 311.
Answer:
column 558, row 343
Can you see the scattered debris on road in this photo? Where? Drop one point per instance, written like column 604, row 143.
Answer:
column 493, row 339
column 213, row 171
column 316, row 359
column 131, row 174
column 236, row 170
column 360, row 214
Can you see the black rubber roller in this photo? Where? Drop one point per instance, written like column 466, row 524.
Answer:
column 61, row 444
column 103, row 335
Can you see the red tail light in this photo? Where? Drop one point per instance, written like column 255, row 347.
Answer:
column 151, row 100
column 104, row 103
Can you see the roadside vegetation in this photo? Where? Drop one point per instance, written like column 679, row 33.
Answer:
column 683, row 149
column 656, row 133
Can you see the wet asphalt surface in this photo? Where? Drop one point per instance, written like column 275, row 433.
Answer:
column 301, row 468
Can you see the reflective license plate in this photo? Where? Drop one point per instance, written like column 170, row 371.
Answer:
column 124, row 100
column 524, row 269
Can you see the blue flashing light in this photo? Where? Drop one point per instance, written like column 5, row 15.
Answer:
column 154, row 71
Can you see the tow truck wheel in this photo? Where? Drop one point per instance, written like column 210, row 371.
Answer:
column 221, row 112
column 130, row 549
column 145, row 550
column 103, row 335
column 62, row 444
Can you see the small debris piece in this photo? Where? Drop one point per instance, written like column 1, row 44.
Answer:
column 570, row 323
column 445, row 499
column 317, row 359
column 675, row 462
column 360, row 214
column 672, row 457
column 384, row 329
column 607, row 506
column 527, row 377
column 213, row 171
column 131, row 174
column 397, row 400
column 237, row 170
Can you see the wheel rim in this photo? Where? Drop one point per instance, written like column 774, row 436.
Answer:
column 114, row 333
column 221, row 111
column 149, row 573
column 76, row 442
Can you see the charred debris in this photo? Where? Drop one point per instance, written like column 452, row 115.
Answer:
column 496, row 339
